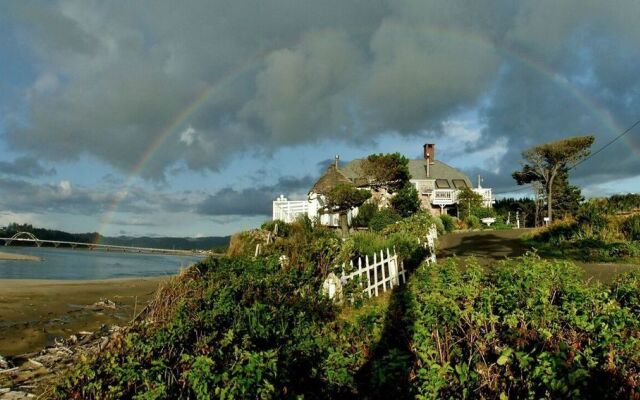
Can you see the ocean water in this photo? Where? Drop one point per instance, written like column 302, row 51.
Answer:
column 65, row 263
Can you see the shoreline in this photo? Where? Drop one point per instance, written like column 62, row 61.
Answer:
column 18, row 257
column 33, row 312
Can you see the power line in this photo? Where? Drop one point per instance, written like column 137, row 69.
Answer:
column 612, row 141
column 629, row 129
column 513, row 191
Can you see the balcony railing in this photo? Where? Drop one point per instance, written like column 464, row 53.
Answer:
column 445, row 197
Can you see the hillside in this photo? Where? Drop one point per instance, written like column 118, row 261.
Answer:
column 245, row 327
column 178, row 243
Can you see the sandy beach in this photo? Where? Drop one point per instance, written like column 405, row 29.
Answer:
column 19, row 257
column 34, row 312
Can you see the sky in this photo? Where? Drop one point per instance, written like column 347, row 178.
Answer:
column 187, row 119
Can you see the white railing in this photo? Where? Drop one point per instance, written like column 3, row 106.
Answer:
column 444, row 196
column 450, row 196
column 287, row 210
column 487, row 198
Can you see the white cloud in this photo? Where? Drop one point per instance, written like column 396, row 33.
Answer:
column 64, row 189
column 188, row 136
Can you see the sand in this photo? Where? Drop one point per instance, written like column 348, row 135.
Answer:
column 34, row 312
column 19, row 257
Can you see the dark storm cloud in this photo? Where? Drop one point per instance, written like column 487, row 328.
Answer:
column 63, row 197
column 254, row 200
column 25, row 166
column 114, row 76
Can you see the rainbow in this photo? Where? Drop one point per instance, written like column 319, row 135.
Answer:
column 167, row 132
column 182, row 117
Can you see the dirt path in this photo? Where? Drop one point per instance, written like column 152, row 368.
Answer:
column 490, row 246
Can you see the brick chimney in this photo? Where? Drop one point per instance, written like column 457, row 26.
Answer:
column 430, row 152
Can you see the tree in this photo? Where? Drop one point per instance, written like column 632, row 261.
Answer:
column 468, row 200
column 341, row 199
column 567, row 197
column 545, row 161
column 406, row 201
column 387, row 171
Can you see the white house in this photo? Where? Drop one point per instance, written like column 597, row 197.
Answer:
column 437, row 183
column 287, row 210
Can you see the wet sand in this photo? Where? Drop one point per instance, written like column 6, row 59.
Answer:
column 19, row 257
column 34, row 312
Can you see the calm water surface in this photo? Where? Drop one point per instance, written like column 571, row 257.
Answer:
column 84, row 264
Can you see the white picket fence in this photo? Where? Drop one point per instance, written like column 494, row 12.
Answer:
column 379, row 273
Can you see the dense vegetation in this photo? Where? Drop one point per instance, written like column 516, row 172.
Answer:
column 244, row 327
column 179, row 243
column 601, row 230
column 241, row 328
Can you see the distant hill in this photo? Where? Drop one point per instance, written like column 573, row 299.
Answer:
column 178, row 243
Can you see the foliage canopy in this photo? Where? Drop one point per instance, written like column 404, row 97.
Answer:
column 388, row 171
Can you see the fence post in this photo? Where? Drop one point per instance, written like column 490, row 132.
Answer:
column 375, row 273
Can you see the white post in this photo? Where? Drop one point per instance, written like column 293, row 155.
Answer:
column 375, row 273
column 384, row 285
column 368, row 281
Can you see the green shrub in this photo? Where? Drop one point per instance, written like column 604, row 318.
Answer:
column 592, row 218
column 365, row 213
column 448, row 223
column 368, row 243
column 383, row 218
column 283, row 227
column 622, row 250
column 631, row 227
column 483, row 212
column 523, row 329
column 406, row 201
column 473, row 222
column 622, row 202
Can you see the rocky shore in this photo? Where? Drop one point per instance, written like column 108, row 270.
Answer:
column 46, row 324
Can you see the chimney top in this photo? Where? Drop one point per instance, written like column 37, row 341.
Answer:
column 430, row 152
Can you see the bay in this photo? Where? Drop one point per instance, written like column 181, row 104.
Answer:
column 81, row 264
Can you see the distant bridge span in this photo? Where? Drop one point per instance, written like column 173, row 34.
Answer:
column 29, row 237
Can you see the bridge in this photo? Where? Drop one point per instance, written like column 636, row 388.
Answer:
column 28, row 237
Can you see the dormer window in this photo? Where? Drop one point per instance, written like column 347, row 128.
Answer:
column 460, row 184
column 442, row 184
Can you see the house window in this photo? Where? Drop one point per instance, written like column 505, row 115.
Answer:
column 459, row 183
column 442, row 184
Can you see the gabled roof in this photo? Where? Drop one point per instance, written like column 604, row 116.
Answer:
column 437, row 170
column 331, row 178
column 417, row 170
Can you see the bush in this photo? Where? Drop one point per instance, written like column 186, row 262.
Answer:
column 406, row 201
column 484, row 212
column 283, row 227
column 448, row 223
column 631, row 227
column 367, row 243
column 383, row 218
column 473, row 222
column 592, row 218
column 365, row 213
column 523, row 329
